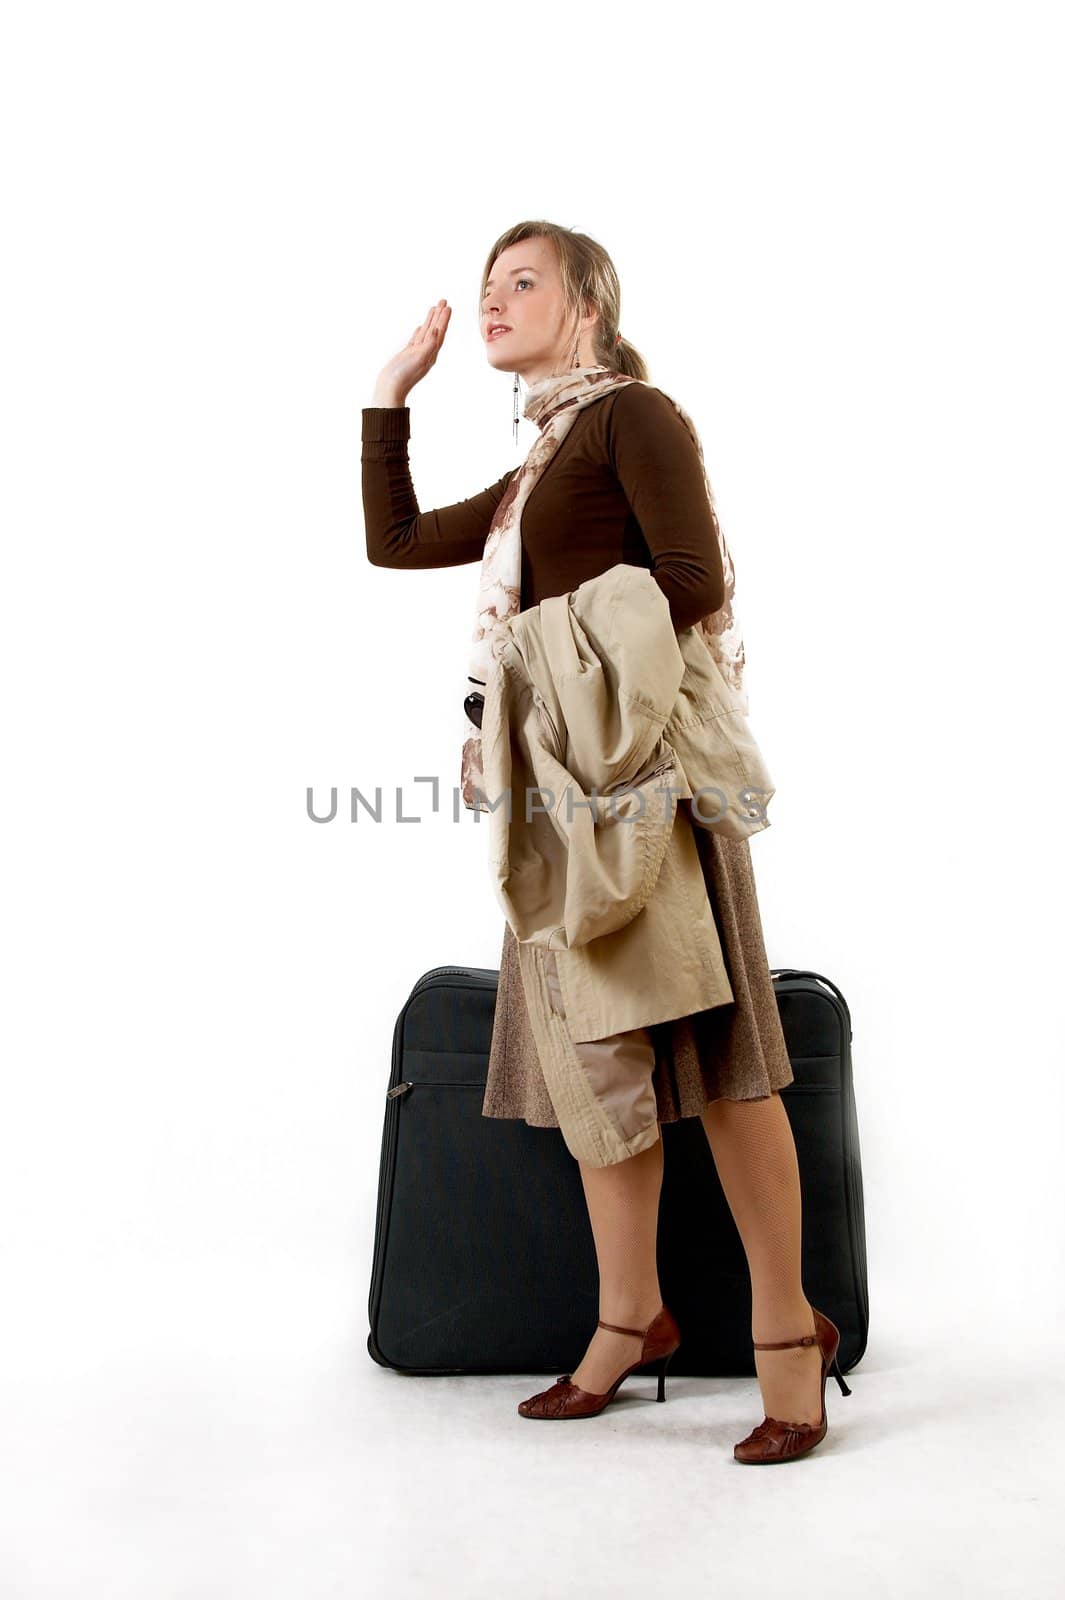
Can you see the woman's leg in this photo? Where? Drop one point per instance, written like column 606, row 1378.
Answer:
column 754, row 1152
column 623, row 1209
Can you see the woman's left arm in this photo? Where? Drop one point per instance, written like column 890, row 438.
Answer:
column 657, row 465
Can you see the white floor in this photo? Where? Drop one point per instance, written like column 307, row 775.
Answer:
column 179, row 1434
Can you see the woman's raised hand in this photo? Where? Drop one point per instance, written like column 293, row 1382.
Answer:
column 409, row 365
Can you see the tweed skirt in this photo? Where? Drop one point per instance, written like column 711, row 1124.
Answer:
column 731, row 1052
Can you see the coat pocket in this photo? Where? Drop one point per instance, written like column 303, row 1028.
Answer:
column 665, row 760
column 548, row 726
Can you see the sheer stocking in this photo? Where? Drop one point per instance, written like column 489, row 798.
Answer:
column 754, row 1152
column 623, row 1208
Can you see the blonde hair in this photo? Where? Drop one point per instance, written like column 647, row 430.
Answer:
column 589, row 281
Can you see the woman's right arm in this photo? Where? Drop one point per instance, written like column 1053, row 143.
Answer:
column 397, row 533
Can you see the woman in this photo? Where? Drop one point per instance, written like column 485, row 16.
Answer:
column 626, row 485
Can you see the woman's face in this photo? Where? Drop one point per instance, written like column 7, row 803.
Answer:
column 524, row 293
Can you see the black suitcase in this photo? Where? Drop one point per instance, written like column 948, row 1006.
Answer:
column 483, row 1257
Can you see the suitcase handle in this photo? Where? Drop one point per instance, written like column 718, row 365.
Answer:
column 803, row 972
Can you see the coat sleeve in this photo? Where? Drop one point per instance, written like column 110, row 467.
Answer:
column 398, row 533
column 656, row 462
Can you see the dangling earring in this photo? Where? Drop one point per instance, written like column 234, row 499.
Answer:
column 515, row 408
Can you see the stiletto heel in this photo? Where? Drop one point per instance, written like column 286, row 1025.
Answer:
column 837, row 1374
column 774, row 1440
column 566, row 1400
column 662, row 1366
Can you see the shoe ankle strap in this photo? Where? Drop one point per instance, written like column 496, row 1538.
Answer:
column 639, row 1332
column 786, row 1344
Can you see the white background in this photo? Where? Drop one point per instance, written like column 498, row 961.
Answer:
column 837, row 229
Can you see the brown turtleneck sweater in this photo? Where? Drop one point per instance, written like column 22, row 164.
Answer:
column 625, row 485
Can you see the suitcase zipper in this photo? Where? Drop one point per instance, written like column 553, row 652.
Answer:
column 431, row 1083
column 480, row 977
column 483, row 977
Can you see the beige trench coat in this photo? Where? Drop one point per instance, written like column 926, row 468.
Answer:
column 600, row 718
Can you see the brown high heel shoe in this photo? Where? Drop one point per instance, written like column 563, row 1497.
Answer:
column 565, row 1399
column 773, row 1440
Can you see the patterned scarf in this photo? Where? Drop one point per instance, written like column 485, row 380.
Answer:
column 553, row 404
